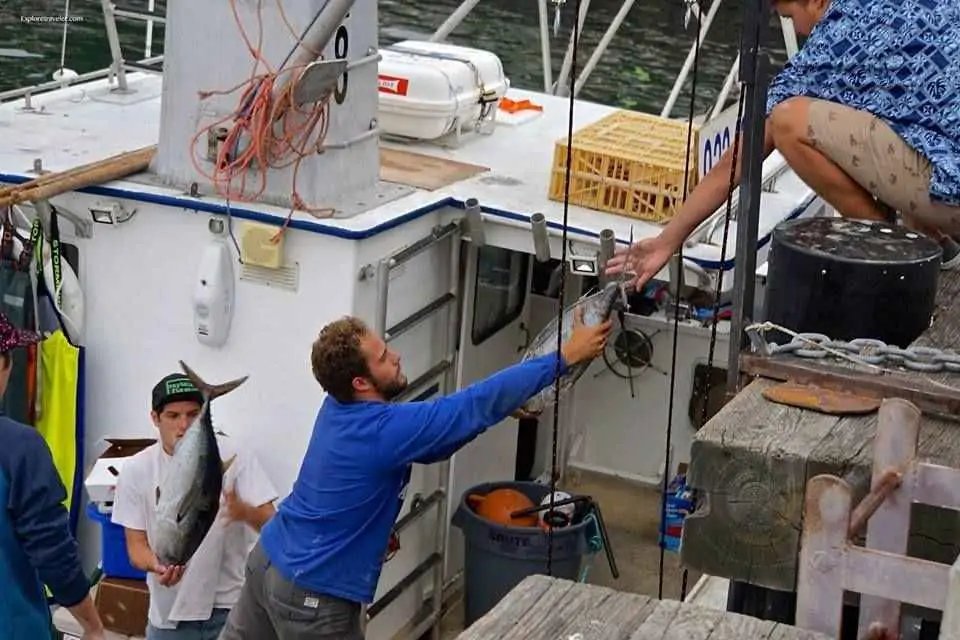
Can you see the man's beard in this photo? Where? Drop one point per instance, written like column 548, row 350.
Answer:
column 390, row 390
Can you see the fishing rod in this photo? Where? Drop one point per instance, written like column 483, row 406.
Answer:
column 563, row 280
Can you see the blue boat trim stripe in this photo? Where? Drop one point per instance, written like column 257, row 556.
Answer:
column 185, row 202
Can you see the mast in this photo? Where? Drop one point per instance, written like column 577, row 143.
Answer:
column 206, row 53
column 754, row 71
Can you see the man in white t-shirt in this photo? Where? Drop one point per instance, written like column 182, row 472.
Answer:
column 191, row 602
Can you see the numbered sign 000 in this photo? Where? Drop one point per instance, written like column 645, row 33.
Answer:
column 716, row 137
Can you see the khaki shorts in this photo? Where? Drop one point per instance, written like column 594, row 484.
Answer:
column 880, row 161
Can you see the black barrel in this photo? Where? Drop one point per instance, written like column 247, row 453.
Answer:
column 849, row 279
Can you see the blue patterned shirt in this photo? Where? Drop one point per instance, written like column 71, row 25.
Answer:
column 896, row 59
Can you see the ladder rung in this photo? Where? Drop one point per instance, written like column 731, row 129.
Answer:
column 138, row 15
column 432, row 373
column 403, row 585
column 423, row 244
column 418, row 316
column 419, row 510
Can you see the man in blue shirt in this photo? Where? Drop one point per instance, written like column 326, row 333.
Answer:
column 36, row 547
column 320, row 556
column 867, row 114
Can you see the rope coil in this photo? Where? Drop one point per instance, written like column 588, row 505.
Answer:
column 267, row 132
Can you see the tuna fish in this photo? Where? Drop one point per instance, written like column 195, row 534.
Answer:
column 596, row 310
column 188, row 499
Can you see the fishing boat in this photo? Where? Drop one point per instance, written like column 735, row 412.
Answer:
column 420, row 191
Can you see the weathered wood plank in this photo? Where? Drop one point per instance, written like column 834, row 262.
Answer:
column 693, row 623
column 926, row 390
column 611, row 614
column 734, row 627
column 749, row 465
column 508, row 612
column 548, row 604
column 577, row 603
column 751, row 461
column 655, row 626
column 545, row 608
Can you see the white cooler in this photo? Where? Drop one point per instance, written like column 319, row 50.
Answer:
column 429, row 90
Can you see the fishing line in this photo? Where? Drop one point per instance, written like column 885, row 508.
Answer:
column 676, row 321
column 563, row 281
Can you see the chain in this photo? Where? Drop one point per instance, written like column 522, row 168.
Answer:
column 862, row 350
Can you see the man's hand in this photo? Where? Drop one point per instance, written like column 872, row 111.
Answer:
column 644, row 259
column 585, row 343
column 235, row 509
column 168, row 575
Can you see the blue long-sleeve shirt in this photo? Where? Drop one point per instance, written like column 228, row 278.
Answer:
column 330, row 534
column 36, row 546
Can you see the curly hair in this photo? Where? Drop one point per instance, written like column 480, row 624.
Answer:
column 336, row 357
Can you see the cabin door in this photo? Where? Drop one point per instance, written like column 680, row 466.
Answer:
column 492, row 336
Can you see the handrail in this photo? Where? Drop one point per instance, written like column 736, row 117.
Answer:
column 560, row 87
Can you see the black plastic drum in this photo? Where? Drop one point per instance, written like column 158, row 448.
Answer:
column 848, row 279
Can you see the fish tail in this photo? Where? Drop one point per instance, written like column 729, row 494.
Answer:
column 211, row 390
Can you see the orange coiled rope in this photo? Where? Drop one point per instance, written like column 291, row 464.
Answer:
column 267, row 132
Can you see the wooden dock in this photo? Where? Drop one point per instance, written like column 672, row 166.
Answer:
column 545, row 608
column 752, row 460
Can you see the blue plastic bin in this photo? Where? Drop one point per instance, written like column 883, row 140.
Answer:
column 115, row 563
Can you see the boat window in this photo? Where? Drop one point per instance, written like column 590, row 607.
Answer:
column 501, row 290
column 711, row 381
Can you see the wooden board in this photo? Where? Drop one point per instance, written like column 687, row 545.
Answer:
column 545, row 608
column 423, row 171
column 752, row 460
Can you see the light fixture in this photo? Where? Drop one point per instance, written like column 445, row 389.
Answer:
column 583, row 265
column 114, row 213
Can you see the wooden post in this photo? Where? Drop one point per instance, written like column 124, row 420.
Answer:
column 820, row 570
column 898, row 427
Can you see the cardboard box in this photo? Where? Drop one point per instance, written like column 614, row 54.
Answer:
column 123, row 605
column 101, row 482
column 66, row 624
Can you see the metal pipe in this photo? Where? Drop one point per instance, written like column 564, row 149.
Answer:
column 608, row 244
column 602, row 45
column 318, row 34
column 754, row 62
column 545, row 46
column 726, row 89
column 445, row 468
column 561, row 88
column 541, row 243
column 113, row 39
column 454, row 20
column 475, row 222
column 691, row 55
column 148, row 38
column 383, row 286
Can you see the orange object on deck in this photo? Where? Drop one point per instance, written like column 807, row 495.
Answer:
column 512, row 106
column 497, row 506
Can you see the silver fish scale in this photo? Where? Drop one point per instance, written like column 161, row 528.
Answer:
column 870, row 351
column 597, row 308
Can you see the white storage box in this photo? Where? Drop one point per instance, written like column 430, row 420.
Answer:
column 428, row 90
column 101, row 481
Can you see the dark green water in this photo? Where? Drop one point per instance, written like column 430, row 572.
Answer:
column 636, row 72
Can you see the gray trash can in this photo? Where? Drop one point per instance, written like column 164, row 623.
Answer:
column 498, row 557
